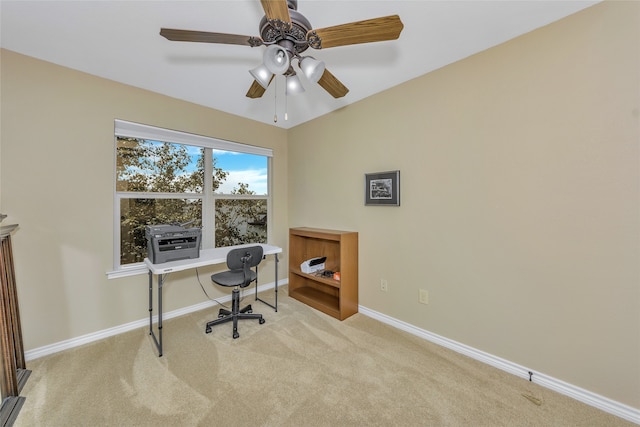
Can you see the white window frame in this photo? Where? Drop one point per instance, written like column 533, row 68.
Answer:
column 128, row 129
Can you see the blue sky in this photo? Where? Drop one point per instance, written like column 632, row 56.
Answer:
column 245, row 168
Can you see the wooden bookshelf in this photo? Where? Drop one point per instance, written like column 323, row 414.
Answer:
column 337, row 298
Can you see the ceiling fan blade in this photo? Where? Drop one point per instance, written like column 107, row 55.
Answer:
column 332, row 85
column 367, row 31
column 207, row 37
column 256, row 90
column 277, row 12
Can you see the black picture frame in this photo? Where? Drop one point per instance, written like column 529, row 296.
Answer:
column 382, row 188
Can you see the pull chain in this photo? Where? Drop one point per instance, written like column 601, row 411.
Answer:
column 275, row 100
column 286, row 116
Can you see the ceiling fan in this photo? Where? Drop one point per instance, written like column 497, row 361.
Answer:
column 287, row 34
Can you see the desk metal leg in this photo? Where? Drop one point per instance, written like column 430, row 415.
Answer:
column 275, row 307
column 276, row 283
column 157, row 340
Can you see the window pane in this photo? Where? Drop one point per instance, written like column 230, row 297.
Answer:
column 135, row 214
column 170, row 181
column 151, row 166
column 245, row 173
column 240, row 221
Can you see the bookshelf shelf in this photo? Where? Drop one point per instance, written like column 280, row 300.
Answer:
column 337, row 298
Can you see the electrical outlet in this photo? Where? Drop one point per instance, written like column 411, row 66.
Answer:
column 384, row 286
column 424, row 297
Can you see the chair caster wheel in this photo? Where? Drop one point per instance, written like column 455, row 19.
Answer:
column 235, row 335
column 220, row 316
column 261, row 321
column 249, row 311
column 207, row 331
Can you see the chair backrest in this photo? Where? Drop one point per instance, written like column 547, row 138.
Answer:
column 245, row 259
column 237, row 258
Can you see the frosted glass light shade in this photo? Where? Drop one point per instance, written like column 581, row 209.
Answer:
column 262, row 75
column 293, row 85
column 276, row 59
column 312, row 68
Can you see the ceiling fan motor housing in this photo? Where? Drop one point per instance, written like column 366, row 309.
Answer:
column 296, row 34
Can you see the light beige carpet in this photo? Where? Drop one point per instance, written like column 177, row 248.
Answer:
column 300, row 368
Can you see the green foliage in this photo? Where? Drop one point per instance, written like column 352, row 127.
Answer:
column 245, row 219
column 144, row 166
column 147, row 166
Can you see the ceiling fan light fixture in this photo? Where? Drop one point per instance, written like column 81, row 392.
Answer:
column 262, row 75
column 276, row 59
column 312, row 68
column 286, row 34
column 293, row 86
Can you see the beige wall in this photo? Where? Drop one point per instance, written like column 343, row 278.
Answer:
column 57, row 176
column 520, row 200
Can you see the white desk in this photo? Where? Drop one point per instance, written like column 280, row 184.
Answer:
column 207, row 257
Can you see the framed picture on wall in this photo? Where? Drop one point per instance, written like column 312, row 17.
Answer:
column 382, row 189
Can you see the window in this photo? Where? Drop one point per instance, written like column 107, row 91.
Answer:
column 169, row 177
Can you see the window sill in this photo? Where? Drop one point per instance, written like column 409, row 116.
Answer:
column 128, row 271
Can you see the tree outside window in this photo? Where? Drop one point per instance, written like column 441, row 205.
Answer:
column 164, row 183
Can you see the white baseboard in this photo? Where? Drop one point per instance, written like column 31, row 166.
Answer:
column 142, row 323
column 615, row 408
column 611, row 406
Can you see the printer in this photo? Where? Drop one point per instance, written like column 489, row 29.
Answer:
column 313, row 265
column 172, row 242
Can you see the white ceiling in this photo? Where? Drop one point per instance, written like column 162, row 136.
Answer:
column 119, row 40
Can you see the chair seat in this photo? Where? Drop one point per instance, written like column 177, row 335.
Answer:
column 232, row 278
column 240, row 262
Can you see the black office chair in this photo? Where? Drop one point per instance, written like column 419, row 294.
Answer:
column 240, row 263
